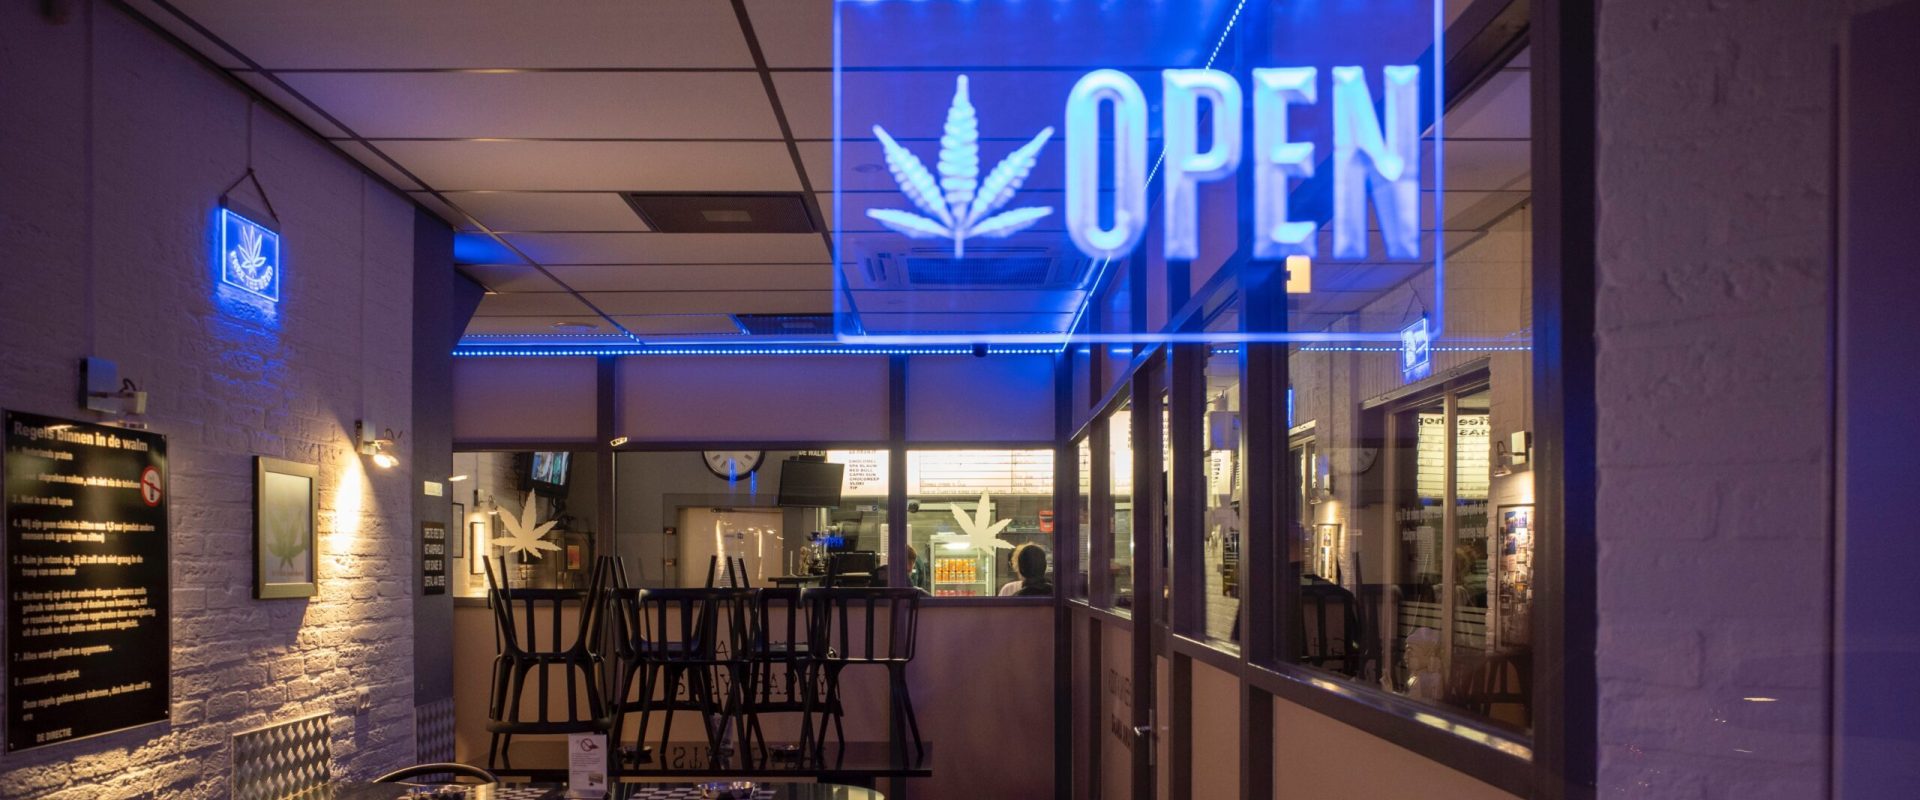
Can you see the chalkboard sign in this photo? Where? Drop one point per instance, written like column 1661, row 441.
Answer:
column 86, row 601
column 433, row 557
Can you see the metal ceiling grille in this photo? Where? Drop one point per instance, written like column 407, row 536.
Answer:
column 747, row 212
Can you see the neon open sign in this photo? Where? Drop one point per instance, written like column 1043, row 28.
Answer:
column 1368, row 159
column 1051, row 191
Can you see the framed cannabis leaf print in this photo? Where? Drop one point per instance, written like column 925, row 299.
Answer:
column 285, row 506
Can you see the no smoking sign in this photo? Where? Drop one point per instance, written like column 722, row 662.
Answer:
column 150, row 486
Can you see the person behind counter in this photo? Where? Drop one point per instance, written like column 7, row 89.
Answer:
column 1030, row 570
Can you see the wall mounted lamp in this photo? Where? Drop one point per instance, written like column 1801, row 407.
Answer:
column 380, row 447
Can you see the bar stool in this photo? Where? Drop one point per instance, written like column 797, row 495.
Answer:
column 527, row 651
column 692, row 638
column 838, row 638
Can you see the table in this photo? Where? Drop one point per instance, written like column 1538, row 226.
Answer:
column 625, row 791
column 856, row 763
column 797, row 580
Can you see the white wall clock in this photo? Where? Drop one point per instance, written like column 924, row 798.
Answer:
column 733, row 464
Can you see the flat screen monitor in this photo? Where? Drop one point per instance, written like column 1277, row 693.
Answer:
column 548, row 472
column 810, row 484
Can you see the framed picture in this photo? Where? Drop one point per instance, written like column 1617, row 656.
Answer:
column 285, row 505
column 459, row 542
column 477, row 532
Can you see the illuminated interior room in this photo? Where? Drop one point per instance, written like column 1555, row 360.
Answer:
column 955, row 399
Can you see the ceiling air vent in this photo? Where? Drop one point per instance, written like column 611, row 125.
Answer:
column 786, row 324
column 742, row 212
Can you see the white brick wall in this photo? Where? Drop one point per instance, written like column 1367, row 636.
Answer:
column 1714, row 252
column 108, row 251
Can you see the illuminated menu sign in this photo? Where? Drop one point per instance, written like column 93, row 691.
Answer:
column 949, row 472
column 970, row 472
column 86, row 600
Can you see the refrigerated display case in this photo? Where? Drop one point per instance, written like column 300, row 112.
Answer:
column 959, row 568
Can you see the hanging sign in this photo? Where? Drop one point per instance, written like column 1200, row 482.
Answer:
column 1416, row 351
column 978, row 152
column 249, row 256
column 87, row 589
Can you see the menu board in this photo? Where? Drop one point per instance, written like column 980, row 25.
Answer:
column 433, row 557
column 86, row 601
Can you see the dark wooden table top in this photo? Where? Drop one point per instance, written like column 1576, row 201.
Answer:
column 853, row 762
column 623, row 791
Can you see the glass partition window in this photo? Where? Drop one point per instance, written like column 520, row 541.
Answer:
column 1223, row 443
column 980, row 522
column 1411, row 480
column 500, row 499
column 1120, row 504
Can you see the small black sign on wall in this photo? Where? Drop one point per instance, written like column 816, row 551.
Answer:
column 433, row 557
column 86, row 600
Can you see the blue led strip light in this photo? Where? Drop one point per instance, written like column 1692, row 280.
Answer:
column 764, row 350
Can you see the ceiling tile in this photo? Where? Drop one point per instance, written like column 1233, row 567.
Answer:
column 599, row 166
column 570, row 105
column 532, row 304
column 185, row 33
column 793, row 33
column 713, row 302
column 679, row 324
column 288, row 103
column 549, row 211
column 807, row 99
column 576, row 325
column 458, row 220
column 666, row 277
column 466, row 34
column 1500, row 109
column 379, row 165
column 671, row 248
column 1486, row 165
column 509, row 278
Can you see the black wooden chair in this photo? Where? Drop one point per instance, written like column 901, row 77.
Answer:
column 689, row 646
column 532, row 652
column 733, row 577
column 1328, row 635
column 849, row 627
column 777, row 660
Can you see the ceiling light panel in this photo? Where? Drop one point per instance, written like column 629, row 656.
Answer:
column 469, row 34
column 709, row 212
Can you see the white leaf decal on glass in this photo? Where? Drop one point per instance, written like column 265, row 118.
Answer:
column 980, row 530
column 523, row 535
column 959, row 202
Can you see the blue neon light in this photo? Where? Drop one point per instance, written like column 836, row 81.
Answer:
column 249, row 256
